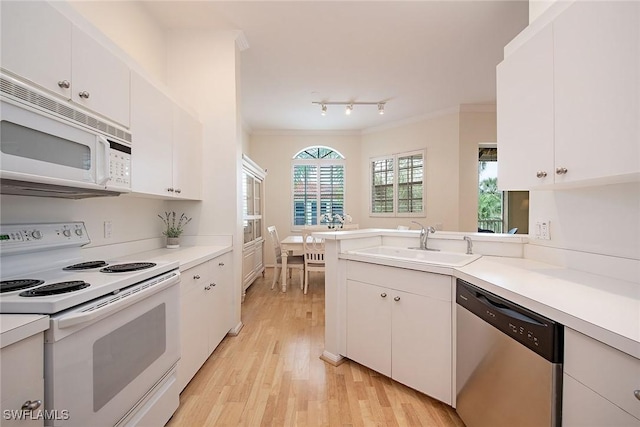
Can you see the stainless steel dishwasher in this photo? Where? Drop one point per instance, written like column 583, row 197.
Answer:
column 508, row 363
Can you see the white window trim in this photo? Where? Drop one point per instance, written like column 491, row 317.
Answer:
column 395, row 213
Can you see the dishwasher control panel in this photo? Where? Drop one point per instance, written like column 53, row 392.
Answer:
column 538, row 333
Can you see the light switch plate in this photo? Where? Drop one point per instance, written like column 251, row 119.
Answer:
column 543, row 230
column 108, row 229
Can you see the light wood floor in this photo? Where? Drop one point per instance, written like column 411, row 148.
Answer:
column 271, row 374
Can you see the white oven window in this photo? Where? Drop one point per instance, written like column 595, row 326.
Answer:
column 122, row 355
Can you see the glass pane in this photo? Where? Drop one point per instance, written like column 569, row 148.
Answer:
column 248, row 230
column 258, row 228
column 257, row 197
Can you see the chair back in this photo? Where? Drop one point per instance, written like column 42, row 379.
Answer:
column 275, row 241
column 313, row 249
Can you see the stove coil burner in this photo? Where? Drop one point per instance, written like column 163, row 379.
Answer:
column 86, row 265
column 132, row 266
column 55, row 289
column 18, row 284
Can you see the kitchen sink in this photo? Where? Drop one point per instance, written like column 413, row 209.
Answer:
column 450, row 259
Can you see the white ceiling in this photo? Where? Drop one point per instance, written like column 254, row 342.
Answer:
column 420, row 57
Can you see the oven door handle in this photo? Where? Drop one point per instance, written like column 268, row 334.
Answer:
column 114, row 304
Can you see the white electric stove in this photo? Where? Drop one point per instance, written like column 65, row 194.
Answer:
column 113, row 341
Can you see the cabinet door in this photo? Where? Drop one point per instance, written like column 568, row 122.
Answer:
column 102, row 76
column 151, row 155
column 421, row 344
column 187, row 155
column 193, row 330
column 369, row 326
column 583, row 407
column 525, row 114
column 36, row 44
column 220, row 297
column 597, row 90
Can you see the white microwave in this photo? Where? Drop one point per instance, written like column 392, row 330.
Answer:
column 57, row 153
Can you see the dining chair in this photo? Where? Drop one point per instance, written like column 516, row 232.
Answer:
column 293, row 261
column 313, row 256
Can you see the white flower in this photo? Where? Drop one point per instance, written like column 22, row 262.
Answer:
column 348, row 218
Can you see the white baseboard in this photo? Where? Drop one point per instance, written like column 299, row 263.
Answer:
column 236, row 329
column 332, row 359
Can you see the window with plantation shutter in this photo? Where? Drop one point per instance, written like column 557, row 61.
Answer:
column 397, row 185
column 318, row 185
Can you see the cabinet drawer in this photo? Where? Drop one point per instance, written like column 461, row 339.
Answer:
column 195, row 276
column 609, row 372
column 416, row 282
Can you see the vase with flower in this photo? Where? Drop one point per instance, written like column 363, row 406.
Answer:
column 335, row 221
column 174, row 226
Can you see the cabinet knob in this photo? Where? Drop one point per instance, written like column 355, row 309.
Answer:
column 212, row 284
column 541, row 174
column 396, row 299
column 170, row 190
column 31, row 405
column 636, row 393
column 561, row 171
column 221, row 264
column 177, row 190
column 206, row 288
column 64, row 84
column 84, row 94
column 197, row 276
column 383, row 295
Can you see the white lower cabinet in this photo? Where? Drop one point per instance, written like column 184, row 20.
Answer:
column 399, row 324
column 598, row 384
column 206, row 317
column 22, row 365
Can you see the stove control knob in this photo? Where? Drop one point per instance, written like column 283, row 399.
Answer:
column 36, row 234
column 79, row 232
column 66, row 233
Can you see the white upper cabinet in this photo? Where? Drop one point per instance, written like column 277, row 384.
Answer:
column 41, row 45
column 100, row 80
column 151, row 127
column 525, row 114
column 187, row 155
column 569, row 100
column 36, row 44
column 167, row 145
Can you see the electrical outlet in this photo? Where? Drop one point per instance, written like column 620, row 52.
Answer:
column 543, row 230
column 108, row 229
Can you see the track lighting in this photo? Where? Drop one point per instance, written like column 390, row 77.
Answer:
column 348, row 106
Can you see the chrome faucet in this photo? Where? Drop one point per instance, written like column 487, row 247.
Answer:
column 424, row 235
column 469, row 245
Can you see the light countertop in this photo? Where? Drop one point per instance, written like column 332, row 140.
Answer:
column 16, row 327
column 187, row 256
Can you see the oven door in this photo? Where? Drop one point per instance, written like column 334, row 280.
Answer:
column 38, row 147
column 103, row 359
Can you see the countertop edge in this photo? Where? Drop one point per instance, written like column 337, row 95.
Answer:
column 16, row 327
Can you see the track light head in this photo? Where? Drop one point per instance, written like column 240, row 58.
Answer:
column 324, row 110
column 381, row 108
column 348, row 110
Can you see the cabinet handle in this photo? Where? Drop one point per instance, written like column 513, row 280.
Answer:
column 177, row 190
column 561, row 171
column 212, row 284
column 31, row 405
column 197, row 276
column 383, row 295
column 84, row 94
column 206, row 288
column 541, row 174
column 221, row 264
column 636, row 393
column 170, row 190
column 64, row 84
column 396, row 299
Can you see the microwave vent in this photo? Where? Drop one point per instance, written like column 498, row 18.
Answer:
column 36, row 99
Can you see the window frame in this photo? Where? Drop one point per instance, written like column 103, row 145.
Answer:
column 394, row 158
column 341, row 161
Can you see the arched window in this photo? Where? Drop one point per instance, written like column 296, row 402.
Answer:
column 317, row 184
